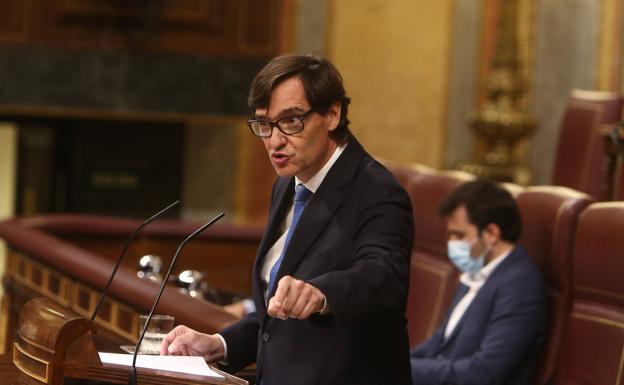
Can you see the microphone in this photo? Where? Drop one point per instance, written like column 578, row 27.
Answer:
column 123, row 254
column 132, row 379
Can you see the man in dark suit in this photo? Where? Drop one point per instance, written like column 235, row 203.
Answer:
column 331, row 275
column 497, row 320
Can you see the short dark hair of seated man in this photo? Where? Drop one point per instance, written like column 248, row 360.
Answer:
column 496, row 323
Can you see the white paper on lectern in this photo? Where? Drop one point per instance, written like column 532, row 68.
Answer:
column 181, row 364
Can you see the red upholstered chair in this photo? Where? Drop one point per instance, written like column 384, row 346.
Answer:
column 405, row 172
column 593, row 345
column 433, row 277
column 549, row 218
column 611, row 103
column 580, row 160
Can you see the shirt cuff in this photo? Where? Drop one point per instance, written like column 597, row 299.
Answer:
column 325, row 310
column 249, row 305
column 224, row 360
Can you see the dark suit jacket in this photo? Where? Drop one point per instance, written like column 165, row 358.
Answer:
column 497, row 339
column 353, row 242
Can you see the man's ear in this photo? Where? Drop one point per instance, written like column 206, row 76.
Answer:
column 333, row 115
column 492, row 232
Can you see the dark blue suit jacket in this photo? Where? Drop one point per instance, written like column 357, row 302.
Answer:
column 498, row 337
column 353, row 242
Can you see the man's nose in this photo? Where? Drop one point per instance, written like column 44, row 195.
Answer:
column 277, row 138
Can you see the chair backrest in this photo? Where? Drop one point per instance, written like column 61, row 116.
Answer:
column 405, row 172
column 580, row 161
column 549, row 218
column 593, row 346
column 433, row 277
column 610, row 102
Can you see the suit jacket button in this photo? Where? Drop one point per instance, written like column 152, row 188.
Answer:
column 439, row 357
column 266, row 337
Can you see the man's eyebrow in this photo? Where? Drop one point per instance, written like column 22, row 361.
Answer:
column 285, row 112
column 291, row 110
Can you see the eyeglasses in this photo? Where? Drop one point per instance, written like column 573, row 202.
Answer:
column 288, row 125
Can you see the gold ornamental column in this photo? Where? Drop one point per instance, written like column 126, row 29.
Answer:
column 503, row 121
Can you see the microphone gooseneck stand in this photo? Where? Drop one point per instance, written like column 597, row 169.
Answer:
column 123, row 254
column 132, row 379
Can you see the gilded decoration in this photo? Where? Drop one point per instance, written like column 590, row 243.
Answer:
column 609, row 50
column 503, row 121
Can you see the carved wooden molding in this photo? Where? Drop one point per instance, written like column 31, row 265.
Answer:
column 119, row 318
column 15, row 21
column 204, row 27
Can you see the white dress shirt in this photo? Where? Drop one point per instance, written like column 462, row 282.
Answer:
column 474, row 282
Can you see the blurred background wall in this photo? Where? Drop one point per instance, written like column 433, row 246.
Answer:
column 8, row 139
column 116, row 108
column 395, row 57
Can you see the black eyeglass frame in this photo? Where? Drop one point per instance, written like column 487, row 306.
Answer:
column 275, row 123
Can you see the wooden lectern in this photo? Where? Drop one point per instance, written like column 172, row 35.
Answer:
column 55, row 346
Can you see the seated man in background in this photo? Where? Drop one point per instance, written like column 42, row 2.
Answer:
column 497, row 320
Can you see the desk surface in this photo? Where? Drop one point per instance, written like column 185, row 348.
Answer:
column 8, row 372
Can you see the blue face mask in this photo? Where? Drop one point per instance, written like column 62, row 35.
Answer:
column 459, row 254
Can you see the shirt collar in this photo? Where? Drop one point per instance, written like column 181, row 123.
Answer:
column 313, row 183
column 476, row 280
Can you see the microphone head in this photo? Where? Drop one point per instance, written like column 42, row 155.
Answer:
column 149, row 267
column 191, row 282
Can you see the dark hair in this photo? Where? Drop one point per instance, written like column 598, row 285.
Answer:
column 486, row 203
column 321, row 80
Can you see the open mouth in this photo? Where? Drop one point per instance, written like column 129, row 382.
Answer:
column 280, row 159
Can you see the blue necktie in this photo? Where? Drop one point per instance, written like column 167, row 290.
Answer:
column 301, row 196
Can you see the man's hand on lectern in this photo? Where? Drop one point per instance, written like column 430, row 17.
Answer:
column 184, row 341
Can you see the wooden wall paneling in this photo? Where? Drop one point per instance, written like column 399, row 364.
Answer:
column 286, row 34
column 258, row 28
column 203, row 27
column 173, row 10
column 258, row 183
column 67, row 24
column 15, row 21
column 208, row 27
column 183, row 26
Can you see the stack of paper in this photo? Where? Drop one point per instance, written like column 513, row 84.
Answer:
column 180, row 364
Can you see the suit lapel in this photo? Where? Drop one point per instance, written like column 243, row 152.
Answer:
column 284, row 192
column 458, row 296
column 471, row 307
column 320, row 208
